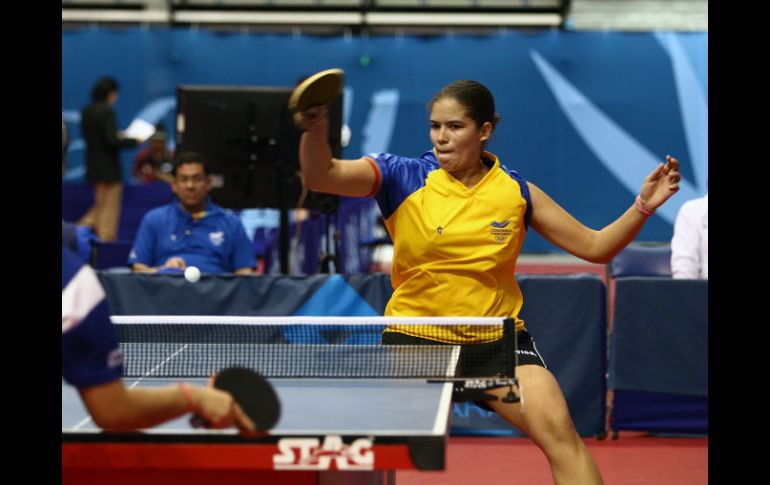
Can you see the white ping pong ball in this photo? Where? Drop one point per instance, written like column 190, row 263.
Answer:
column 192, row 274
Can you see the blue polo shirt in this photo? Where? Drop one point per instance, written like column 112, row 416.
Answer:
column 216, row 242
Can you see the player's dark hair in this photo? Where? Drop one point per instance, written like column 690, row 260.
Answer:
column 474, row 96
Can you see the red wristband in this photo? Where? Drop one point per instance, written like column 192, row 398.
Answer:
column 188, row 397
column 639, row 203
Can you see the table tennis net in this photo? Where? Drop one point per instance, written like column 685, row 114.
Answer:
column 294, row 347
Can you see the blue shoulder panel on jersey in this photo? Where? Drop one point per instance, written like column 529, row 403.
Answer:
column 524, row 193
column 401, row 177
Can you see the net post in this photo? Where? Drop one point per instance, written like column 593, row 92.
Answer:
column 510, row 341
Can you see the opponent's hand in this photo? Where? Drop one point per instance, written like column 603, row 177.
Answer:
column 219, row 410
column 661, row 184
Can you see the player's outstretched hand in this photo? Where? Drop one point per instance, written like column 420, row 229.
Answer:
column 661, row 184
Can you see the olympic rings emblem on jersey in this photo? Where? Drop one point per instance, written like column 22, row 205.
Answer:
column 499, row 231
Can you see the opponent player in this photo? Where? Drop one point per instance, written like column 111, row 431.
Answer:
column 92, row 362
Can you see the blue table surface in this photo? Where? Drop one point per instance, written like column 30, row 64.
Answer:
column 371, row 407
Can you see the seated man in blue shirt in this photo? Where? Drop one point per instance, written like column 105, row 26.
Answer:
column 192, row 231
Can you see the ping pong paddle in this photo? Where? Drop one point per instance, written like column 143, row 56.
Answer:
column 317, row 90
column 253, row 393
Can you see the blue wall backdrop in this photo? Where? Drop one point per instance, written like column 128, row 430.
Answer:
column 585, row 116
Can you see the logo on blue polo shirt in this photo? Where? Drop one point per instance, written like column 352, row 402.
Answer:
column 217, row 238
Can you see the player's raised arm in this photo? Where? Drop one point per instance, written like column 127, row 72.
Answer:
column 322, row 172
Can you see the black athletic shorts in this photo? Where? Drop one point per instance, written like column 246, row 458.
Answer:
column 478, row 360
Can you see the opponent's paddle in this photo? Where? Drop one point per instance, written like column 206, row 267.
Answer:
column 253, row 393
column 317, row 90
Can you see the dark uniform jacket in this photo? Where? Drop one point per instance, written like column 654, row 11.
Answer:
column 102, row 143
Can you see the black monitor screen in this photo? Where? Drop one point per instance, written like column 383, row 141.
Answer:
column 251, row 143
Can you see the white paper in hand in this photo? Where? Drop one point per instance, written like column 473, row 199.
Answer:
column 140, row 130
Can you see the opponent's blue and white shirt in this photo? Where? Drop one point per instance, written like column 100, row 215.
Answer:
column 90, row 354
column 214, row 240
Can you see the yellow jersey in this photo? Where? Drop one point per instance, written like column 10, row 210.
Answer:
column 455, row 248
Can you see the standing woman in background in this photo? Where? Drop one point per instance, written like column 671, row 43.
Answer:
column 103, row 169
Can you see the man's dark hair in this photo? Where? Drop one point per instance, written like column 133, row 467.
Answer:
column 190, row 157
column 103, row 87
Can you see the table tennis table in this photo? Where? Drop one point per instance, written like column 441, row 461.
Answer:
column 352, row 428
column 329, row 428
column 342, row 431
